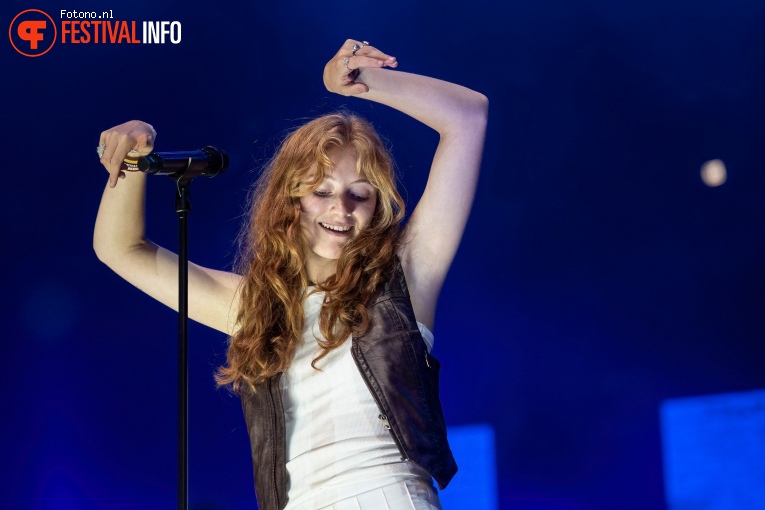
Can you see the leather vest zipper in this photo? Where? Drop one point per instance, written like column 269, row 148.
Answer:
column 386, row 425
column 355, row 354
column 273, row 441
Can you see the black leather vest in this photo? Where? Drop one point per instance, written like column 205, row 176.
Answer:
column 403, row 379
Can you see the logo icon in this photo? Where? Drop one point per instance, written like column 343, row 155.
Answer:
column 32, row 33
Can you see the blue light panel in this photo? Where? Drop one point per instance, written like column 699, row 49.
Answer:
column 714, row 451
column 475, row 485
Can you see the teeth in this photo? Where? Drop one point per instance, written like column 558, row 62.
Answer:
column 335, row 228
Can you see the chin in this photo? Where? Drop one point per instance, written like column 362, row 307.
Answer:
column 327, row 253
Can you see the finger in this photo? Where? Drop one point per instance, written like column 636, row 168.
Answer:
column 359, row 62
column 357, row 88
column 144, row 144
column 117, row 147
column 102, row 148
column 363, row 49
column 348, row 46
column 372, row 52
column 124, row 144
column 109, row 140
column 145, row 141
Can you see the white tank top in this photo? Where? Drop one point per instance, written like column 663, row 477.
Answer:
column 337, row 446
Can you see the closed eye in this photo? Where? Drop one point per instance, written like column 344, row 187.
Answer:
column 321, row 193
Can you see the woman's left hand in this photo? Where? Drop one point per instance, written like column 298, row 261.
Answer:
column 340, row 73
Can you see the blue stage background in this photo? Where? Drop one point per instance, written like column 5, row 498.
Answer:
column 598, row 275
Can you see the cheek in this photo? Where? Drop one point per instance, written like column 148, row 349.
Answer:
column 308, row 207
column 306, row 214
column 367, row 211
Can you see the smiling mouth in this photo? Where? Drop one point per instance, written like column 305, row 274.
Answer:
column 337, row 228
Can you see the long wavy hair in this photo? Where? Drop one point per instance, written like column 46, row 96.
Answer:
column 272, row 251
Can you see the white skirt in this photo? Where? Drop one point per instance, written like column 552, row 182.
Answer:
column 408, row 495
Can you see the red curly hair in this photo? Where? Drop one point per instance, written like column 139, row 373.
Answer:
column 272, row 261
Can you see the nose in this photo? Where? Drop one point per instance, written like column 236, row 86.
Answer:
column 343, row 205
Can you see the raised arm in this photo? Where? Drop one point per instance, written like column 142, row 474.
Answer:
column 459, row 116
column 120, row 242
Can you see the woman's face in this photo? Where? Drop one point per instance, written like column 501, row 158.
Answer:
column 338, row 209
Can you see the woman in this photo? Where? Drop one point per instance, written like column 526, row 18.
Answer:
column 331, row 316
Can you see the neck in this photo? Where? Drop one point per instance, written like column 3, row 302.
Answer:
column 319, row 268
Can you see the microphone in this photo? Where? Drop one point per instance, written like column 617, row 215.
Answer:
column 207, row 161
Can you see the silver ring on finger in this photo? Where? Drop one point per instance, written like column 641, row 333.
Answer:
column 356, row 48
column 100, row 150
column 345, row 63
column 364, row 43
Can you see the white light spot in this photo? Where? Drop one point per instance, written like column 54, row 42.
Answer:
column 713, row 173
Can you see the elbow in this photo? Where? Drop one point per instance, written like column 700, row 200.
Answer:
column 474, row 109
column 481, row 101
column 117, row 254
column 480, row 107
column 106, row 250
column 101, row 250
column 474, row 113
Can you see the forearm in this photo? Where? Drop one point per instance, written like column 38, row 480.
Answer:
column 120, row 224
column 446, row 107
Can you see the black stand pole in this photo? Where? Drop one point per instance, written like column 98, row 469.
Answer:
column 182, row 207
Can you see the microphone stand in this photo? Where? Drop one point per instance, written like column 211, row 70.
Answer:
column 183, row 207
column 184, row 166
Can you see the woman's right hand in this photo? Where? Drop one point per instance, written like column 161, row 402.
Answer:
column 133, row 137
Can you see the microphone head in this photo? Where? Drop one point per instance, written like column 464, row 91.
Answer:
column 217, row 161
column 150, row 164
column 207, row 161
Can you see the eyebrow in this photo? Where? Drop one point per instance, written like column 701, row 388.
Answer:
column 330, row 178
